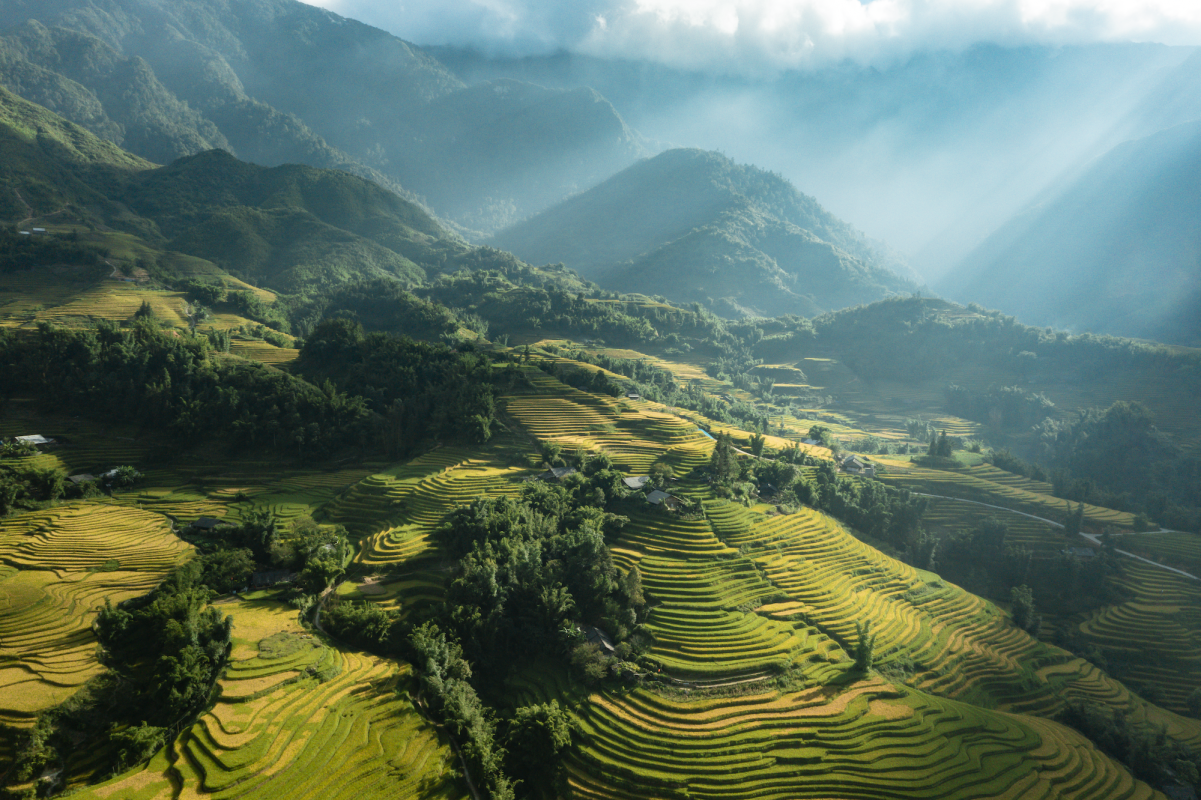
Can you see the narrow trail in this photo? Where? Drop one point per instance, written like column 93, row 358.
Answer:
column 1092, row 537
column 28, row 209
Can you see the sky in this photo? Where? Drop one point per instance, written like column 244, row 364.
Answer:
column 765, row 36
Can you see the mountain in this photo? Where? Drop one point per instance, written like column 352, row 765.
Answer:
column 1117, row 250
column 278, row 81
column 693, row 226
column 294, row 227
column 929, row 152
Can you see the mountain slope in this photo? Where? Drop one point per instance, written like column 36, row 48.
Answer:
column 694, row 226
column 294, row 227
column 1117, row 251
column 277, row 81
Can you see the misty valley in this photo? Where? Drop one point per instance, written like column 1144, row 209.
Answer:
column 491, row 419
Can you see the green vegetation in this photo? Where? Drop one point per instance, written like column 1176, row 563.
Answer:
column 175, row 385
column 779, row 624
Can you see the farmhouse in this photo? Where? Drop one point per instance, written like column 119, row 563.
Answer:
column 556, row 474
column 636, row 482
column 81, row 478
column 34, row 439
column 858, row 466
column 633, row 396
column 599, row 638
column 206, row 523
column 1079, row 552
column 261, row 580
column 658, row 498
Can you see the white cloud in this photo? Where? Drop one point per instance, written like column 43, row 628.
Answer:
column 759, row 35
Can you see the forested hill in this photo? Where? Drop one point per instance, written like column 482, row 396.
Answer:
column 692, row 226
column 278, row 81
column 1116, row 252
column 295, row 228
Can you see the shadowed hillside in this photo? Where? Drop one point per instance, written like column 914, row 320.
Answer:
column 694, row 226
column 1116, row 252
column 278, row 81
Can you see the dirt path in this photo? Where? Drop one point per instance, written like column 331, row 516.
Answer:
column 1092, row 537
column 28, row 209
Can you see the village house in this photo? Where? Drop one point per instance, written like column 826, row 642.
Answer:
column 556, row 474
column 599, row 638
column 856, row 465
column 658, row 498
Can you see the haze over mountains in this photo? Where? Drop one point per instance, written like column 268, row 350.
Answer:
column 276, row 81
column 867, row 180
column 1118, row 251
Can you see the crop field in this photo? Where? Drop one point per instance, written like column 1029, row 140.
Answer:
column 427, row 502
column 1153, row 639
column 58, row 567
column 29, row 297
column 983, row 485
column 256, row 350
column 298, row 718
column 1174, row 548
column 868, row 741
column 634, row 433
column 952, row 516
column 948, row 641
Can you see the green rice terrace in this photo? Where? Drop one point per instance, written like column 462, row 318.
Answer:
column 749, row 680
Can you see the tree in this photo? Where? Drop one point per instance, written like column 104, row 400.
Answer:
column 124, row 477
column 49, row 482
column 757, row 442
column 537, row 736
column 1075, row 521
column 724, row 463
column 940, row 446
column 135, row 744
column 552, row 454
column 1021, row 600
column 865, row 647
column 661, row 474
column 1193, row 702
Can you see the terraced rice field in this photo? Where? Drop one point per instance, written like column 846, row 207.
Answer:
column 299, row 719
column 262, row 352
column 636, row 438
column 950, row 516
column 992, row 487
column 868, row 741
column 959, row 645
column 56, row 569
column 34, row 299
column 1175, row 548
column 1155, row 636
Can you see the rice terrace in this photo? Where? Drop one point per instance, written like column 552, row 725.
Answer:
column 389, row 420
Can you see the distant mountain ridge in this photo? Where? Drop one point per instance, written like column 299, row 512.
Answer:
column 693, row 226
column 278, row 81
column 1117, row 251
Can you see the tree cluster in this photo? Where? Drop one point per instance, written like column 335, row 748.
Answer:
column 174, row 385
column 420, row 389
